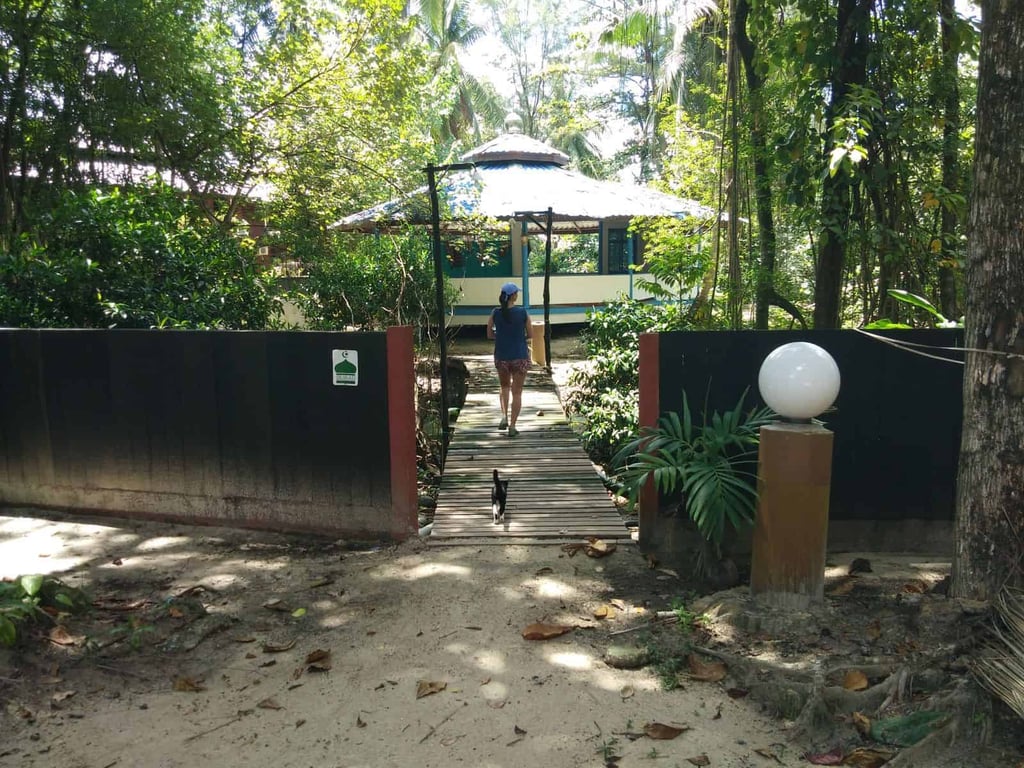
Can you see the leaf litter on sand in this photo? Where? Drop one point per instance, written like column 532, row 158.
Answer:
column 663, row 731
column 318, row 661
column 542, row 631
column 429, row 687
column 705, row 671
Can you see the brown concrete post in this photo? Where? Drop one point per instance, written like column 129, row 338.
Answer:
column 791, row 531
column 537, row 351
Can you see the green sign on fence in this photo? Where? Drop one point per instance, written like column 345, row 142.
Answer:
column 345, row 367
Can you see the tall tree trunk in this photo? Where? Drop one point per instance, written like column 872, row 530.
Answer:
column 849, row 68
column 735, row 305
column 990, row 492
column 762, row 168
column 950, row 160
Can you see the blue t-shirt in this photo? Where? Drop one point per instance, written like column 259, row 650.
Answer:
column 510, row 334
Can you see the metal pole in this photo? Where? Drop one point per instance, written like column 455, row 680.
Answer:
column 435, row 243
column 547, row 291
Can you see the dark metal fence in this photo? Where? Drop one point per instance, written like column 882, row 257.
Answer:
column 236, row 428
column 896, row 421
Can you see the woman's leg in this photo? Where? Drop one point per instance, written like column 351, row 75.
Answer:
column 505, row 378
column 518, row 379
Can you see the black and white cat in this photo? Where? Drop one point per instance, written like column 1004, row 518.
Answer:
column 499, row 495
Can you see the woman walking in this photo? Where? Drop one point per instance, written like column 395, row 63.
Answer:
column 509, row 326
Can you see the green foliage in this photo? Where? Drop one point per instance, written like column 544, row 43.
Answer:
column 369, row 283
column 130, row 259
column 705, row 463
column 913, row 300
column 23, row 599
column 603, row 394
column 570, row 255
column 688, row 620
column 672, row 258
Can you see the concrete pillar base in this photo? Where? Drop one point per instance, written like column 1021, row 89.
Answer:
column 791, row 531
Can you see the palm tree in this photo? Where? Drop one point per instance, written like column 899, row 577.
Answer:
column 651, row 47
column 448, row 31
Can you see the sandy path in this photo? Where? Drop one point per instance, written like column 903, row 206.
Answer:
column 390, row 618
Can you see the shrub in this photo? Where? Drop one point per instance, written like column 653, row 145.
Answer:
column 370, row 282
column 131, row 259
column 23, row 600
column 706, row 463
column 603, row 394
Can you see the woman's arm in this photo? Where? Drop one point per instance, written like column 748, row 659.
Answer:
column 490, row 325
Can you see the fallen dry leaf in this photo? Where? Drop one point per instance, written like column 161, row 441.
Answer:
column 318, row 655
column 915, row 588
column 189, row 684
column 599, row 547
column 269, row 703
column 855, row 680
column 868, row 757
column 541, row 631
column 764, row 752
column 706, row 671
column 663, row 731
column 699, row 760
column 626, row 692
column 874, row 630
column 269, row 647
column 427, row 687
column 572, row 549
column 496, row 703
column 832, row 757
column 862, row 723
column 20, row 712
column 604, row 612
column 277, row 605
column 518, row 731
column 60, row 636
column 844, row 587
column 61, row 696
column 175, row 613
column 359, row 722
column 544, row 571
column 247, row 639
column 736, row 693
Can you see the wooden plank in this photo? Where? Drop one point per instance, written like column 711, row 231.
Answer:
column 554, row 490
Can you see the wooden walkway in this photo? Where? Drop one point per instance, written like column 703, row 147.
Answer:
column 554, row 491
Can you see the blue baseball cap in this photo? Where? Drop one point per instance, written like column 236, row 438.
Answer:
column 509, row 288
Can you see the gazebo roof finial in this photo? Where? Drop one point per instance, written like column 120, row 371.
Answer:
column 513, row 123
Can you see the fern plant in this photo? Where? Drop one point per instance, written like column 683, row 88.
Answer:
column 709, row 464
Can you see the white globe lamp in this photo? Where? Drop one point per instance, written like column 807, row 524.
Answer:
column 799, row 380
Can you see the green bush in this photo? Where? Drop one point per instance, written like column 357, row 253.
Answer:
column 23, row 600
column 371, row 282
column 131, row 259
column 603, row 396
column 709, row 464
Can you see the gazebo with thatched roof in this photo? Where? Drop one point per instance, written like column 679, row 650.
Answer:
column 507, row 190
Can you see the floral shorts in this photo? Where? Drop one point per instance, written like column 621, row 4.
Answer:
column 512, row 366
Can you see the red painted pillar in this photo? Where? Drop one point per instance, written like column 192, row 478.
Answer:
column 402, row 432
column 650, row 410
